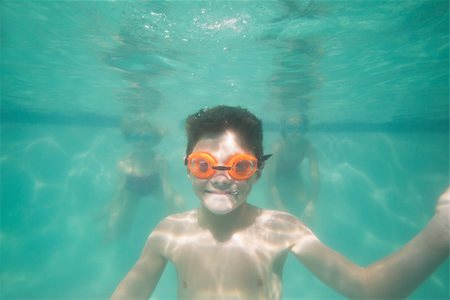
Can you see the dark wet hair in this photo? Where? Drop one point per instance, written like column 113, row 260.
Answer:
column 218, row 119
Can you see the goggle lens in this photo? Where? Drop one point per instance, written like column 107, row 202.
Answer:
column 243, row 166
column 201, row 165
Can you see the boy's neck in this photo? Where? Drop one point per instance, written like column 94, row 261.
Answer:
column 222, row 227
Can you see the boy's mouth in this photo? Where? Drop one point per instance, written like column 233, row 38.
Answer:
column 231, row 192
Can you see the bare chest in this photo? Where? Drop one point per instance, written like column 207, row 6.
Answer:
column 239, row 268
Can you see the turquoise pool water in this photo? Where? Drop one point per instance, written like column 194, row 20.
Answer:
column 369, row 77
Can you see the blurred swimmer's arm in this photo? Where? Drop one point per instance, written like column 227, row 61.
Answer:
column 174, row 200
column 314, row 173
column 314, row 181
column 270, row 171
column 122, row 204
column 395, row 276
column 142, row 279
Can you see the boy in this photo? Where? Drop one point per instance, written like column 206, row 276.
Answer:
column 229, row 249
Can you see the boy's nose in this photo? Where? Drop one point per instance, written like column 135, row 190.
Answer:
column 221, row 178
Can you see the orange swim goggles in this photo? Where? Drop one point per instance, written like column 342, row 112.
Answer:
column 240, row 166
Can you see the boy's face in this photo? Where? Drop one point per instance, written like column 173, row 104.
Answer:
column 220, row 193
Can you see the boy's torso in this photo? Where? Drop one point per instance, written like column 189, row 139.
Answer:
column 247, row 265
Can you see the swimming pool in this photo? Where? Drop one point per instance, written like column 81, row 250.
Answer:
column 370, row 78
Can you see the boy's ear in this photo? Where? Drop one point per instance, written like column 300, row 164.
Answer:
column 258, row 174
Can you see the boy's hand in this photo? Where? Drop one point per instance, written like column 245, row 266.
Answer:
column 309, row 210
column 443, row 209
column 443, row 204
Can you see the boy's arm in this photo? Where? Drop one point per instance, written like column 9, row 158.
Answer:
column 142, row 279
column 395, row 276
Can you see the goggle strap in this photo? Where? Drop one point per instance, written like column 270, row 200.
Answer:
column 266, row 157
column 263, row 159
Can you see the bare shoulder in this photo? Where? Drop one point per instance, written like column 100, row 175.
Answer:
column 278, row 218
column 283, row 224
column 177, row 223
column 170, row 231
